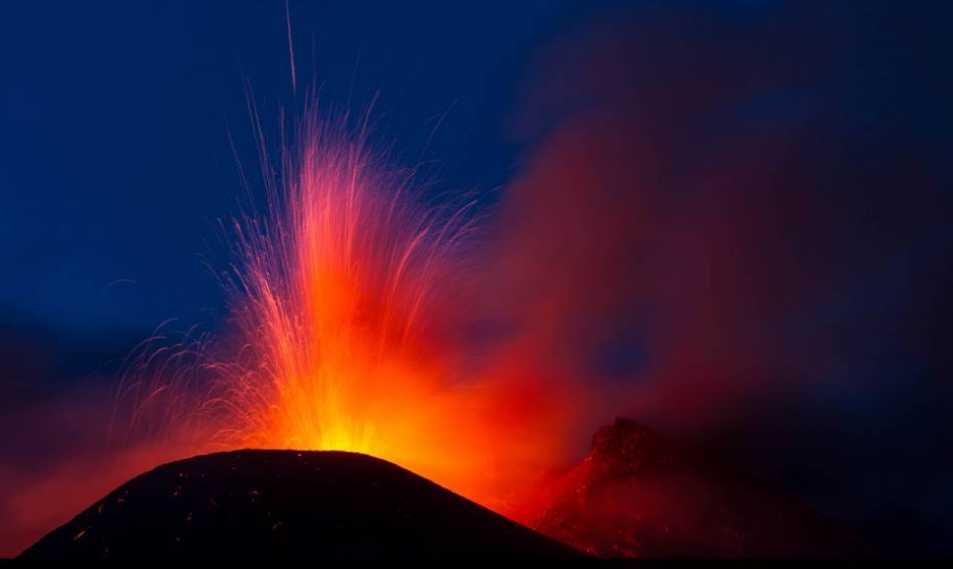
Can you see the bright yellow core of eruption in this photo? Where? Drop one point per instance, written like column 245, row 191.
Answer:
column 340, row 306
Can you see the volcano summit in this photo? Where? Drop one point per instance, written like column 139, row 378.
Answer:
column 261, row 504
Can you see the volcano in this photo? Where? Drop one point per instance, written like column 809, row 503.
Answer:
column 270, row 504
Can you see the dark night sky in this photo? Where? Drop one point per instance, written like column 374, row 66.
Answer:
column 115, row 162
column 116, row 117
column 115, row 140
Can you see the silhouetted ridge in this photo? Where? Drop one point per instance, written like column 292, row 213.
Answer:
column 257, row 504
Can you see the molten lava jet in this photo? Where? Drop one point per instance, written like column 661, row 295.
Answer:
column 344, row 300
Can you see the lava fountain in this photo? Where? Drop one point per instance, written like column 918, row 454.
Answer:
column 342, row 303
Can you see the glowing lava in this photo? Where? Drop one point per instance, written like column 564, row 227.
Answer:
column 341, row 302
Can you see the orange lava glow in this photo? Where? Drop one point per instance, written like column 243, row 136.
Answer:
column 341, row 300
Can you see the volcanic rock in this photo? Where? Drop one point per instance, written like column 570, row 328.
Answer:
column 284, row 504
column 641, row 494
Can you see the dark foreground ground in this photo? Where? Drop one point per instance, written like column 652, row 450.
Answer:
column 288, row 504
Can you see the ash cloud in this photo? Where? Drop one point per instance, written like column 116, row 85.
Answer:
column 731, row 225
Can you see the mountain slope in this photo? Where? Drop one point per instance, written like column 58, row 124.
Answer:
column 286, row 504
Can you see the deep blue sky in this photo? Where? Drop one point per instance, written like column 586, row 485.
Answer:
column 115, row 161
column 116, row 115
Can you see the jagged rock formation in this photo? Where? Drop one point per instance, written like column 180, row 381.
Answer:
column 640, row 494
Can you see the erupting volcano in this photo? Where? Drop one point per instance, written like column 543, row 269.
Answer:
column 553, row 280
column 346, row 340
